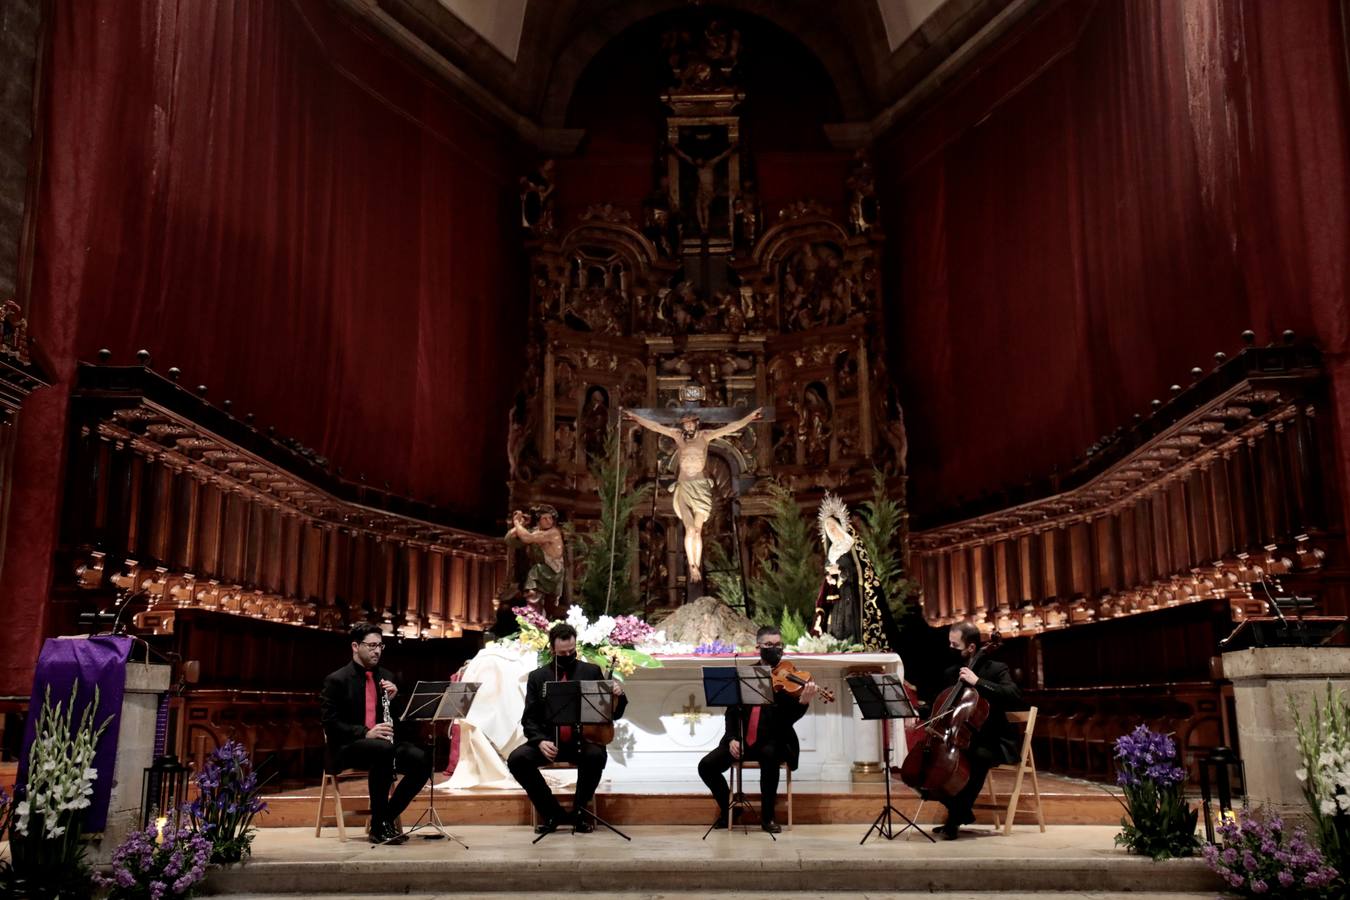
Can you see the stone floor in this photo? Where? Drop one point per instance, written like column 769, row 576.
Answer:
column 674, row 861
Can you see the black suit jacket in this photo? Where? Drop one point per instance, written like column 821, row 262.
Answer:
column 534, row 720
column 775, row 722
column 342, row 704
column 996, row 685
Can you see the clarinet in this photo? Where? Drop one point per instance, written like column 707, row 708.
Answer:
column 388, row 720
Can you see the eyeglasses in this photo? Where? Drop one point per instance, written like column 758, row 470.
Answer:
column 370, row 646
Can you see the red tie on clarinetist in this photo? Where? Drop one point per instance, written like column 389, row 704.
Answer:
column 372, row 700
column 753, row 731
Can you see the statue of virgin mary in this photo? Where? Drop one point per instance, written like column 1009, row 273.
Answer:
column 851, row 604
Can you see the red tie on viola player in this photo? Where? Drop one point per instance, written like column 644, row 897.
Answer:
column 372, row 700
column 753, row 731
column 564, row 731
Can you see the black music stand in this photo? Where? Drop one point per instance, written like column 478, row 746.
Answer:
column 437, row 702
column 882, row 697
column 739, row 687
column 573, row 704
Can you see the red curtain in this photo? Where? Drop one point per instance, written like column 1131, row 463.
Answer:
column 260, row 194
column 1108, row 199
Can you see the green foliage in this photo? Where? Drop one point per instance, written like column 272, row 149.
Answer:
column 880, row 533
column 791, row 626
column 1160, row 824
column 791, row 576
column 596, row 550
column 726, row 584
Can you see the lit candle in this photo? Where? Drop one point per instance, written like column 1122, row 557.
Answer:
column 159, row 829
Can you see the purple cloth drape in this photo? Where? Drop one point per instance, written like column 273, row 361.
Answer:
column 95, row 662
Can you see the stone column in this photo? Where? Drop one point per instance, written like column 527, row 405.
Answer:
column 135, row 752
column 1265, row 681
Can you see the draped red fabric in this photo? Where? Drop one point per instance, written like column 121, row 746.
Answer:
column 1106, row 200
column 260, row 194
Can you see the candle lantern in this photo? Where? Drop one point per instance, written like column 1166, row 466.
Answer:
column 1221, row 775
column 163, row 789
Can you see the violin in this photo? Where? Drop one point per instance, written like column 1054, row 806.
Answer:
column 790, row 680
column 600, row 733
column 938, row 766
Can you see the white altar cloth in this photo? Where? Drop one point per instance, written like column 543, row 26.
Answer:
column 667, row 727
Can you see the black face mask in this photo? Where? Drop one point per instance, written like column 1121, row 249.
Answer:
column 566, row 664
column 771, row 656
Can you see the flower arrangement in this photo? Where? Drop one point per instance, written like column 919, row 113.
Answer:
column 1324, row 746
column 608, row 642
column 228, row 799
column 824, row 643
column 1258, row 857
column 158, row 863
column 714, row 648
column 1160, row 823
column 46, row 823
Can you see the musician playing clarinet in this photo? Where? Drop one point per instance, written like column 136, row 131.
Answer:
column 359, row 725
column 997, row 741
column 545, row 743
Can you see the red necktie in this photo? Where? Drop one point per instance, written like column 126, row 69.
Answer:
column 564, row 731
column 372, row 702
column 753, row 732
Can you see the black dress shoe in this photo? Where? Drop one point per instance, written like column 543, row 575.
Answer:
column 950, row 832
column 771, row 826
column 548, row 826
column 721, row 822
column 386, row 833
column 581, row 823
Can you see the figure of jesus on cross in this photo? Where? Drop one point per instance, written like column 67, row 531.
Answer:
column 693, row 489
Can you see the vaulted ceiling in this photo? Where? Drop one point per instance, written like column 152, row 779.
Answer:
column 521, row 59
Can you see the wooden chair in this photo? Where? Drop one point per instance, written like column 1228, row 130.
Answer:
column 754, row 764
column 334, row 780
column 1026, row 765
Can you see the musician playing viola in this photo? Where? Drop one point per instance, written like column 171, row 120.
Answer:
column 545, row 743
column 770, row 739
column 361, row 734
column 997, row 742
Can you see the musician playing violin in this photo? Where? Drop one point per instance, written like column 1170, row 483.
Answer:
column 997, row 741
column 769, row 738
column 545, row 743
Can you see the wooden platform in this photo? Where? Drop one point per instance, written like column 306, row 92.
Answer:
column 1065, row 801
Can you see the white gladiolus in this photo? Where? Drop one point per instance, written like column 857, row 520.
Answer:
column 60, row 775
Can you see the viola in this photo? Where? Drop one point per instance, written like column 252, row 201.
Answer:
column 790, row 680
column 938, row 766
column 602, row 734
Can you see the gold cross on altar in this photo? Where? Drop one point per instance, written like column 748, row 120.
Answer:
column 692, row 714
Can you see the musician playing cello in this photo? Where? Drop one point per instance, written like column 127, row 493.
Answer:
column 545, row 744
column 997, row 742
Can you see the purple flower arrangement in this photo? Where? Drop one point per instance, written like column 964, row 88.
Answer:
column 630, row 631
column 228, row 798
column 158, row 863
column 1145, row 755
column 714, row 648
column 1257, row 857
column 1159, row 822
column 530, row 616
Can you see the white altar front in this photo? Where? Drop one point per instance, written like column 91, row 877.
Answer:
column 667, row 727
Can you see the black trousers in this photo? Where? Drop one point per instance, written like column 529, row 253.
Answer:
column 960, row 808
column 526, row 760
column 380, row 757
column 769, row 757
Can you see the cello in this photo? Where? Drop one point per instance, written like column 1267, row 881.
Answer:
column 938, row 766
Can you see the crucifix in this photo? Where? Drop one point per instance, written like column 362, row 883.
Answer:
column 693, row 489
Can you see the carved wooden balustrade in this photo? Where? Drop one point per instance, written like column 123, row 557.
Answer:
column 171, row 495
column 1218, row 486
